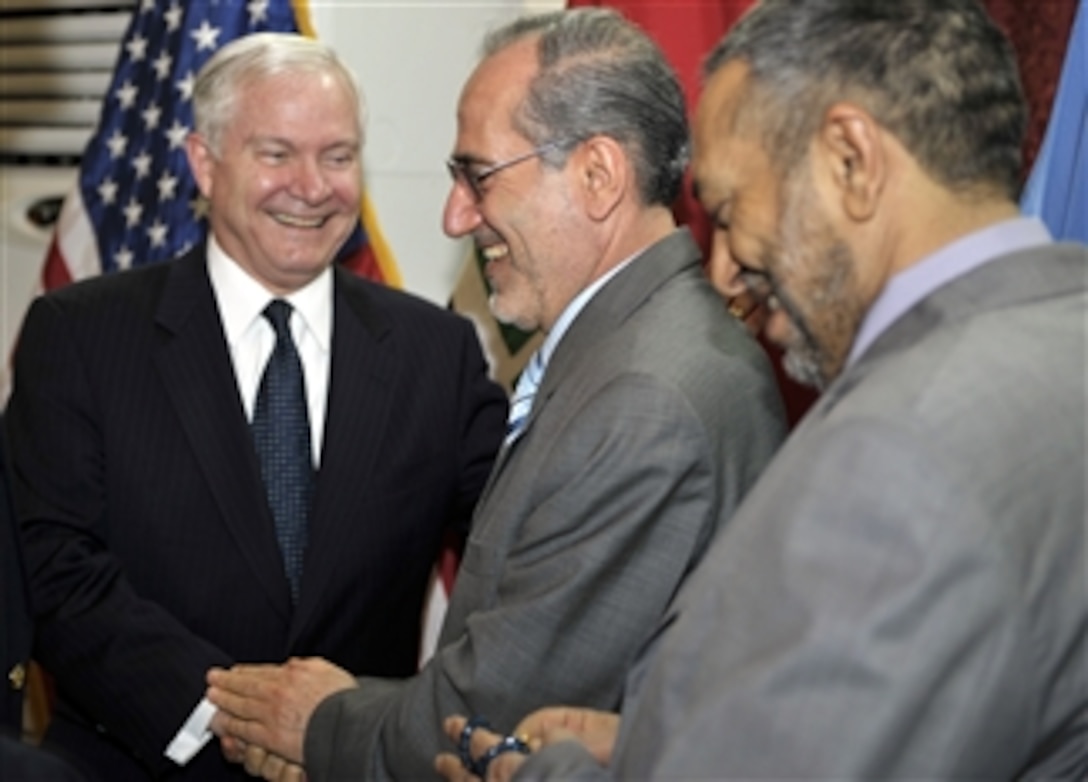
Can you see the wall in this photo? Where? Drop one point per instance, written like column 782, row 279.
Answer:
column 411, row 59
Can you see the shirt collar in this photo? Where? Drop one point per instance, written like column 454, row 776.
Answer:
column 242, row 299
column 952, row 261
column 577, row 304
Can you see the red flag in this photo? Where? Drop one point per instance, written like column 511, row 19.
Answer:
column 687, row 30
column 136, row 201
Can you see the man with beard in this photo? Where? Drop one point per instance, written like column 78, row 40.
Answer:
column 902, row 595
column 655, row 412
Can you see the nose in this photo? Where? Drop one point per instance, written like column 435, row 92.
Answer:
column 723, row 270
column 310, row 181
column 461, row 214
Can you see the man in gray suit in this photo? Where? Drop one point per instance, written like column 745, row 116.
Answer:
column 656, row 411
column 902, row 595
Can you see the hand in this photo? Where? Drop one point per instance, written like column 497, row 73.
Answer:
column 597, row 730
column 261, row 763
column 270, row 705
column 449, row 765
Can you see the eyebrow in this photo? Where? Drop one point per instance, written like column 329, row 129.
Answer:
column 468, row 159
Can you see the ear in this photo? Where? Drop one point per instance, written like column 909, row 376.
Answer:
column 201, row 162
column 605, row 174
column 852, row 144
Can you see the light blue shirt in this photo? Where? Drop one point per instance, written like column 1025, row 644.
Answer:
column 954, row 260
column 578, row 303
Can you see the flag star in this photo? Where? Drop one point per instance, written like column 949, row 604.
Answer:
column 126, row 94
column 142, row 164
column 176, row 134
column 162, row 65
column 173, row 17
column 157, row 233
column 123, row 258
column 168, row 186
column 117, row 144
column 147, row 6
column 108, row 191
column 199, row 207
column 185, row 86
column 258, row 11
column 206, row 36
column 151, row 116
column 137, row 48
column 133, row 212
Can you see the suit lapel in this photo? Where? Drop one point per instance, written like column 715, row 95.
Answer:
column 362, row 370
column 623, row 295
column 613, row 304
column 196, row 370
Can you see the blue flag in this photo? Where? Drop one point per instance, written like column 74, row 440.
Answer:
column 1057, row 188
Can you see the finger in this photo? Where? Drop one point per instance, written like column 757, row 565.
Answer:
column 503, row 768
column 454, row 725
column 234, row 750
column 292, row 772
column 248, row 705
column 254, row 760
column 247, row 731
column 272, row 767
column 482, row 740
column 449, row 766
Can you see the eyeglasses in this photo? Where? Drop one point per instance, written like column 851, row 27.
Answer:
column 462, row 171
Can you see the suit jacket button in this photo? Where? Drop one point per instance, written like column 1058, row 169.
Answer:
column 17, row 676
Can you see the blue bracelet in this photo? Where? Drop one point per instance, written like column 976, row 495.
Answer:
column 464, row 746
column 508, row 744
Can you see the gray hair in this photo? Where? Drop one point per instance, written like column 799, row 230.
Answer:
column 258, row 56
column 602, row 75
column 938, row 74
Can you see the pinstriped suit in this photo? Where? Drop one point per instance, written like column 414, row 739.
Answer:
column 149, row 543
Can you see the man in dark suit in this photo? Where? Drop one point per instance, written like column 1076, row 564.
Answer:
column 902, row 595
column 655, row 410
column 151, row 546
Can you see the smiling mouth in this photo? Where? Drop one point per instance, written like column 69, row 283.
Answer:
column 297, row 221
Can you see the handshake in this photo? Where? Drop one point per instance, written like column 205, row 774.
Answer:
column 263, row 711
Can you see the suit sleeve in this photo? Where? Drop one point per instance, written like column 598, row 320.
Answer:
column 619, row 508
column 123, row 660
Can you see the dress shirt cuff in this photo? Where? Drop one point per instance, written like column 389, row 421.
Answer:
column 194, row 734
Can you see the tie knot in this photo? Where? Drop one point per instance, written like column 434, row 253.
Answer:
column 278, row 313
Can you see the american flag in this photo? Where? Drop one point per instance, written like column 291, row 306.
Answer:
column 136, row 201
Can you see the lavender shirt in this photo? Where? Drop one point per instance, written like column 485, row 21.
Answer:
column 953, row 260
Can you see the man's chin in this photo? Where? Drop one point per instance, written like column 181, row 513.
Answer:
column 803, row 367
column 506, row 317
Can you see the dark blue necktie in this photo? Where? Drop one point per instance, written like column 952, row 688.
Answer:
column 281, row 434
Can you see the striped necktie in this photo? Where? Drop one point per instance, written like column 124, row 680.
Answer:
column 522, row 403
